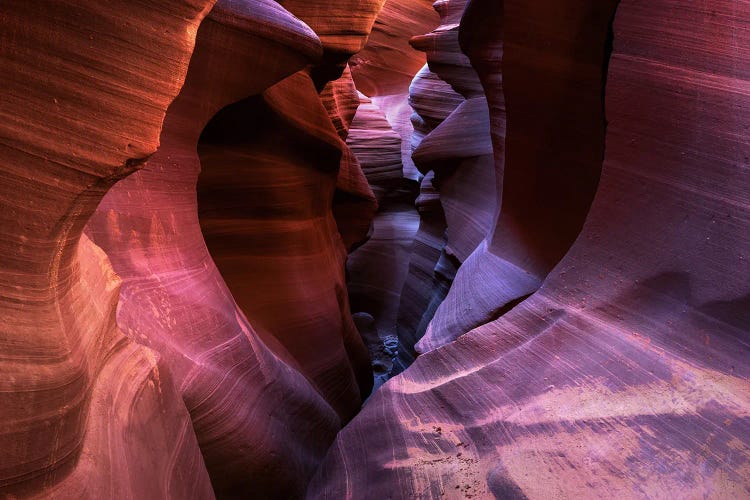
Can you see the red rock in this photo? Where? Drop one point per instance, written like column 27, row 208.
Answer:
column 265, row 198
column 354, row 204
column 601, row 384
column 83, row 411
column 453, row 140
column 592, row 344
column 243, row 388
column 381, row 140
column 548, row 156
column 387, row 64
column 384, row 69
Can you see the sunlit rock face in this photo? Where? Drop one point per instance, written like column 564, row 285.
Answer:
column 525, row 224
column 84, row 412
column 230, row 369
column 623, row 375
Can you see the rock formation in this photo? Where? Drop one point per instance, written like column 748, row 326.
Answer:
column 219, row 219
column 380, row 138
column 452, row 144
column 174, row 299
column 623, row 376
column 83, row 410
column 377, row 270
column 383, row 70
column 558, row 140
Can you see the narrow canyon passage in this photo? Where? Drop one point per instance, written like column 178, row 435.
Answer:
column 374, row 249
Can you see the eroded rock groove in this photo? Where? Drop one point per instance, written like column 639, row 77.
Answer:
column 374, row 249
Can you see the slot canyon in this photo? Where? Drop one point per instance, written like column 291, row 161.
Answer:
column 375, row 249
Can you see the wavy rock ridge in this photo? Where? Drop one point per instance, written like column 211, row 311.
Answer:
column 247, row 389
column 223, row 223
column 622, row 375
column 78, row 399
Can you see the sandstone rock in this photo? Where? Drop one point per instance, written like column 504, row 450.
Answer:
column 547, row 156
column 377, row 270
column 354, row 204
column 383, row 70
column 582, row 312
column 381, row 140
column 83, row 411
column 243, row 388
column 622, row 376
column 265, row 199
column 452, row 139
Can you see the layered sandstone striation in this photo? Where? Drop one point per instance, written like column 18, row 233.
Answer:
column 219, row 219
column 383, row 70
column 380, row 138
column 84, row 412
column 547, row 161
column 623, row 374
column 354, row 203
column 431, row 271
column 254, row 321
column 243, row 396
column 377, row 270
column 273, row 234
column 452, row 143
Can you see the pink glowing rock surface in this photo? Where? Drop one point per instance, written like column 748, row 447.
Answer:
column 84, row 412
column 624, row 375
column 526, row 223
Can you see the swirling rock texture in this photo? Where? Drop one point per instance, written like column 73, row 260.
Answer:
column 624, row 375
column 431, row 271
column 451, row 141
column 243, row 388
column 277, row 225
column 354, row 203
column 84, row 412
column 286, row 360
column 544, row 202
column 181, row 183
column 383, row 70
column 377, row 270
column 380, row 138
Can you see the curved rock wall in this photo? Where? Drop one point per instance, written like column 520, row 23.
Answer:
column 354, row 203
column 287, row 359
column 380, row 138
column 83, row 411
column 376, row 271
column 385, row 67
column 239, row 383
column 451, row 142
column 623, row 375
column 265, row 199
column 458, row 149
column 182, row 183
column 547, row 88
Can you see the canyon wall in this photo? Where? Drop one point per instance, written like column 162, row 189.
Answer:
column 380, row 138
column 84, row 411
column 623, row 375
column 255, row 320
column 451, row 146
column 261, row 391
column 222, row 223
